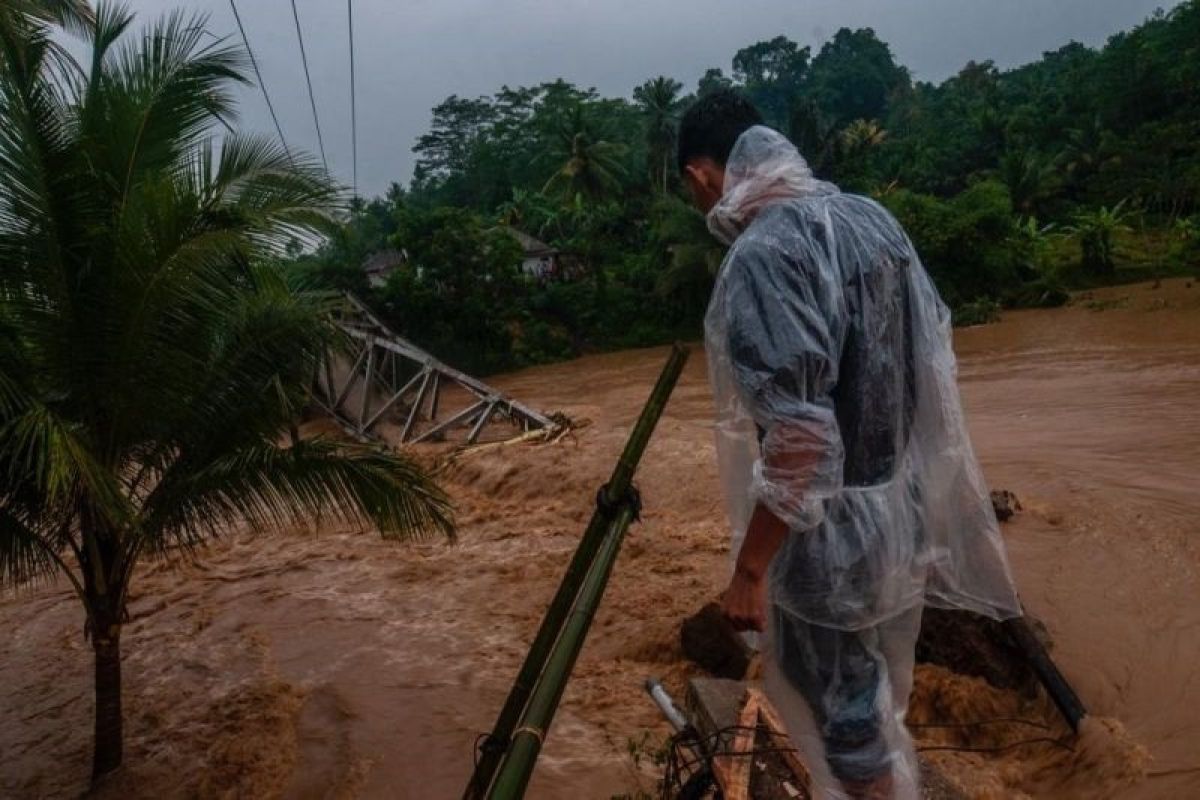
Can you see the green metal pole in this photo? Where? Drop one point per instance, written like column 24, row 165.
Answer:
column 518, row 763
column 535, row 660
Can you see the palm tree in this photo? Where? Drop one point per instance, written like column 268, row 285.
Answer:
column 152, row 360
column 852, row 149
column 1088, row 150
column 590, row 169
column 659, row 100
column 528, row 211
column 862, row 135
column 1029, row 179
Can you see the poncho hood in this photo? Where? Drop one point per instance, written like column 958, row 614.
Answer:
column 763, row 167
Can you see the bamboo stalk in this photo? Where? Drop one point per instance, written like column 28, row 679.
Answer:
column 517, row 766
column 552, row 623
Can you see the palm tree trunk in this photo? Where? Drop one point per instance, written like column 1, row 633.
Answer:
column 107, row 745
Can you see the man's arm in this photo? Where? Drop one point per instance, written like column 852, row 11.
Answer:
column 745, row 601
column 783, row 345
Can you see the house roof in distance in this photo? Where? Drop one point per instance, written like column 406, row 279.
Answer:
column 383, row 261
column 531, row 246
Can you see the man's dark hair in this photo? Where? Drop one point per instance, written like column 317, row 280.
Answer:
column 711, row 126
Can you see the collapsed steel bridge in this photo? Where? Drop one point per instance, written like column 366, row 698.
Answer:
column 388, row 388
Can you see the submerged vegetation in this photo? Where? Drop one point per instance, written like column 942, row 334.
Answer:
column 153, row 357
column 1080, row 168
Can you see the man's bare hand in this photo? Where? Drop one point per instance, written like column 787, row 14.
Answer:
column 745, row 602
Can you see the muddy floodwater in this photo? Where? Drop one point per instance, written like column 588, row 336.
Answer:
column 326, row 663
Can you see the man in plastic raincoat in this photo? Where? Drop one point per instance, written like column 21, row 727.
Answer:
column 853, row 493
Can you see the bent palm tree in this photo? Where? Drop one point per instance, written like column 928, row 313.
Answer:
column 152, row 360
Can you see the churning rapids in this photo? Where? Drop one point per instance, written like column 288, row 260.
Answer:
column 326, row 663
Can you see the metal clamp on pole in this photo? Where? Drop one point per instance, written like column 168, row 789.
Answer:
column 609, row 504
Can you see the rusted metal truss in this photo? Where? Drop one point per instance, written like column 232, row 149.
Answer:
column 388, row 388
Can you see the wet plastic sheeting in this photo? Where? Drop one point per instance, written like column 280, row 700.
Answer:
column 837, row 408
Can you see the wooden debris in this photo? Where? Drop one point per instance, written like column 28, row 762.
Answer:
column 732, row 766
column 776, row 771
column 756, row 761
column 775, row 725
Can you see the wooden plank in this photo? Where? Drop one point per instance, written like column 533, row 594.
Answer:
column 774, row 724
column 732, row 768
column 330, row 387
column 716, row 704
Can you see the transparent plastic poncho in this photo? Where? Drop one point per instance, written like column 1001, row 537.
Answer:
column 837, row 408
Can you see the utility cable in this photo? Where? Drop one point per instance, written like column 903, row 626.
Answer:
column 261, row 83
column 353, row 104
column 308, row 79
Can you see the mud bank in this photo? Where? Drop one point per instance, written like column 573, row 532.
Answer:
column 325, row 662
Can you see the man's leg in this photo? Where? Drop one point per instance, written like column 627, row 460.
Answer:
column 854, row 685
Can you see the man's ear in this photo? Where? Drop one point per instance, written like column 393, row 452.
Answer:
column 705, row 183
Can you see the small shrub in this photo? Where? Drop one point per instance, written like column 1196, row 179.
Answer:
column 982, row 311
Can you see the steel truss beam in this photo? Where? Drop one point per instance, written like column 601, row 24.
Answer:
column 363, row 389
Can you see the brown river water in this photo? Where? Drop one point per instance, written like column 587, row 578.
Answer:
column 327, row 663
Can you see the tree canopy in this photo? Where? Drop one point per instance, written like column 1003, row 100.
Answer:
column 154, row 358
column 973, row 164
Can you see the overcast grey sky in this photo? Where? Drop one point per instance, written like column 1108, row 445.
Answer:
column 410, row 54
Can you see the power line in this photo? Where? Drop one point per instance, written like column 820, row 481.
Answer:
column 261, row 83
column 308, row 78
column 353, row 108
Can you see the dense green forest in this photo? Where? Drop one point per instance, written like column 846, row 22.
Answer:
column 1080, row 168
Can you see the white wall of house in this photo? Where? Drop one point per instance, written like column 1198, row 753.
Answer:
column 538, row 266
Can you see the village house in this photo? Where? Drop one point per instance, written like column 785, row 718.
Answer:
column 538, row 260
column 379, row 265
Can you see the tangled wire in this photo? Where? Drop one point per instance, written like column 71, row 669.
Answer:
column 688, row 772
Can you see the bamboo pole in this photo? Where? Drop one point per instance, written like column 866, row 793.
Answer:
column 517, row 766
column 535, row 660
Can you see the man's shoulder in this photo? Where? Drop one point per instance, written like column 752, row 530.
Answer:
column 773, row 232
column 783, row 236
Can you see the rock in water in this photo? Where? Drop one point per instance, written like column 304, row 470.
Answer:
column 1005, row 504
column 970, row 644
